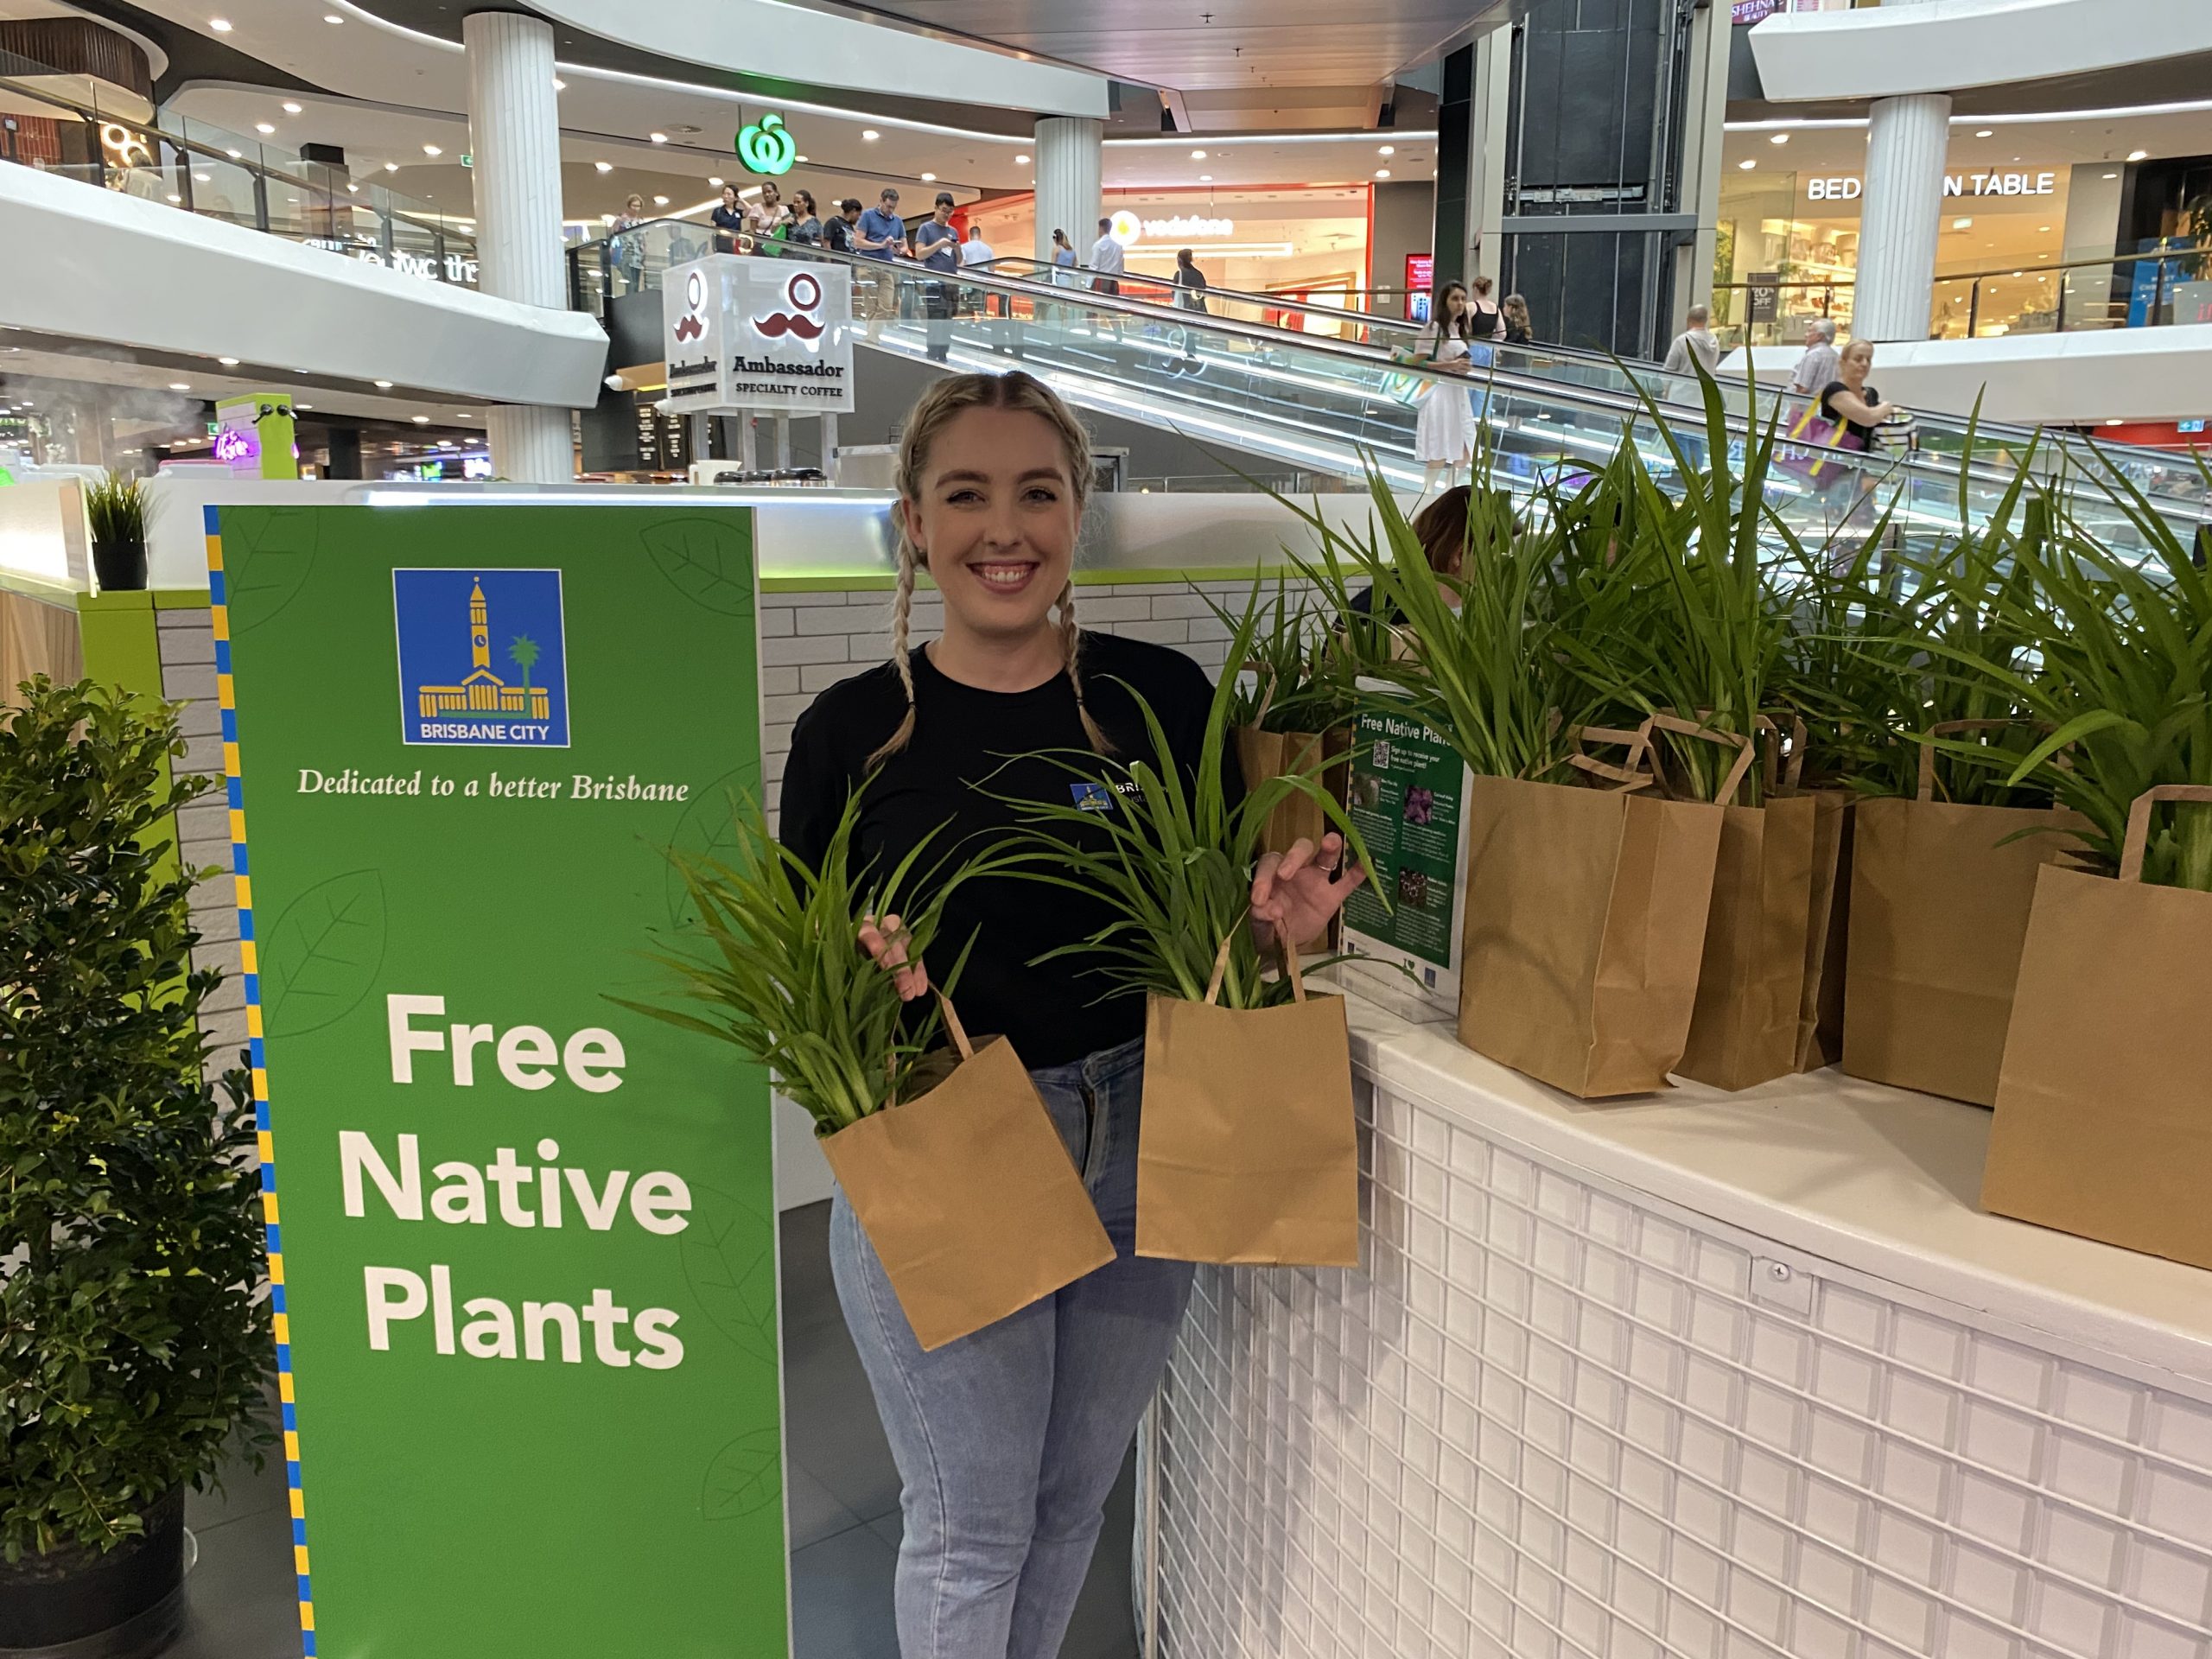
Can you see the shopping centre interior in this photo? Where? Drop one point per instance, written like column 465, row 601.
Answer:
column 507, row 350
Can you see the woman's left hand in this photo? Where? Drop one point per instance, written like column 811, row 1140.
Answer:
column 1294, row 893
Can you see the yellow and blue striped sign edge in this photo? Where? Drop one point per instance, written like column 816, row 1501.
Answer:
column 226, row 699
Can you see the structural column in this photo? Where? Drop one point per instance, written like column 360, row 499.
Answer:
column 514, row 137
column 1907, row 140
column 1071, row 150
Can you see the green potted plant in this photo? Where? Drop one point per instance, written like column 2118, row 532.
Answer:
column 135, row 1337
column 116, row 507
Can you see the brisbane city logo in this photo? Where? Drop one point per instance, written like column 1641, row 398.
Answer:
column 802, row 294
column 483, row 657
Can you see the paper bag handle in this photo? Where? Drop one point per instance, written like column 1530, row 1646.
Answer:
column 954, row 1029
column 1221, row 964
column 2139, row 823
column 1746, row 751
column 1631, row 774
column 1782, row 778
column 1268, row 695
column 1944, row 728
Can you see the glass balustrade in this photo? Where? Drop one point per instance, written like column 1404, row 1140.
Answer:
column 1322, row 408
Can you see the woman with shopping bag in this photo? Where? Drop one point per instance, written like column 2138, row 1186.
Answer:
column 1009, row 1439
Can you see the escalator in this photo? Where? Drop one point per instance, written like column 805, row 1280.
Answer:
column 1325, row 408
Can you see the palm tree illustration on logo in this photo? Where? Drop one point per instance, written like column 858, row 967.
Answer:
column 522, row 653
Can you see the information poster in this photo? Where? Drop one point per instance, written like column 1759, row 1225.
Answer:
column 1408, row 790
column 522, row 1240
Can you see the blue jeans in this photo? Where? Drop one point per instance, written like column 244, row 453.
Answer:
column 1009, row 1441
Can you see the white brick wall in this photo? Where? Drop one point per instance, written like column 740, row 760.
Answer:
column 1551, row 1419
column 188, row 649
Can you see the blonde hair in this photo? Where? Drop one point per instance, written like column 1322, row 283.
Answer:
column 933, row 411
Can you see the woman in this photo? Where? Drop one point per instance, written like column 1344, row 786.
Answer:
column 1485, row 321
column 731, row 225
column 1518, row 331
column 1444, row 434
column 763, row 216
column 1063, row 266
column 1857, row 410
column 1008, row 1441
column 629, row 252
column 807, row 220
column 1441, row 529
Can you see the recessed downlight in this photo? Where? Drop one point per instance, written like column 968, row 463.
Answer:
column 657, row 137
column 432, row 150
column 604, row 166
column 869, row 135
column 228, row 362
column 221, row 25
column 290, row 108
column 384, row 385
column 263, row 128
column 422, row 420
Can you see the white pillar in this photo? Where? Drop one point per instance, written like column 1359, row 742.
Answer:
column 1907, row 142
column 514, row 139
column 1070, row 152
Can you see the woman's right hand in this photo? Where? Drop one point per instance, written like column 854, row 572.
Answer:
column 887, row 942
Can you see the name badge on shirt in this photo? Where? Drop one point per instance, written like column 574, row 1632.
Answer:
column 1091, row 798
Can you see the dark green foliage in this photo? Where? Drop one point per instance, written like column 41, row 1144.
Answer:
column 132, row 1338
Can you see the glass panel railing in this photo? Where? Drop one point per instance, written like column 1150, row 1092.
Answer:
column 83, row 129
column 1321, row 408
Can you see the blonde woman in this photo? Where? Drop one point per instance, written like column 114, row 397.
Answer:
column 1008, row 1441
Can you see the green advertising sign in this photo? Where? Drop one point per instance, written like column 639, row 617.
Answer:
column 523, row 1242
column 766, row 146
column 1407, row 794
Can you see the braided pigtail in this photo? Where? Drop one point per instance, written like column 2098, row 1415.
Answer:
column 902, row 611
column 1071, row 645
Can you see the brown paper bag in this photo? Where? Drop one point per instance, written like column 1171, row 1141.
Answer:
column 1265, row 754
column 1248, row 1151
column 943, row 1185
column 1584, row 923
column 1750, row 978
column 2104, row 1103
column 1940, row 897
column 1819, row 1011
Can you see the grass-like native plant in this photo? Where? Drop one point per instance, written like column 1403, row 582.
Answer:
column 1174, row 860
column 1301, row 682
column 785, row 979
column 2121, row 676
column 133, row 1339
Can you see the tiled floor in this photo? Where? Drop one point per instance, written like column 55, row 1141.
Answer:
column 844, row 1512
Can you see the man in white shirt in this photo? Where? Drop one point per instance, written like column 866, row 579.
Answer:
column 1107, row 265
column 1818, row 367
column 977, row 251
column 1694, row 343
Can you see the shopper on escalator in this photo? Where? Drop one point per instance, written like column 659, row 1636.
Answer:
column 881, row 234
column 1486, row 321
column 1817, row 367
column 1444, row 434
column 1694, row 345
column 1190, row 295
column 1858, row 412
column 807, row 220
column 729, row 221
column 1518, row 329
column 937, row 244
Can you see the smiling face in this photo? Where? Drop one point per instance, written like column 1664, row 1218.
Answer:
column 729, row 195
column 995, row 522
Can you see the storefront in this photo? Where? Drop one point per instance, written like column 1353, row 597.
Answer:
column 1309, row 242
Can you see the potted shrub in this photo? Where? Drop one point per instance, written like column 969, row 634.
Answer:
column 944, row 1152
column 134, row 1340
column 116, row 508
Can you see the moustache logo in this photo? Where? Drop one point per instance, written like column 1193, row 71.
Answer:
column 804, row 295
column 689, row 328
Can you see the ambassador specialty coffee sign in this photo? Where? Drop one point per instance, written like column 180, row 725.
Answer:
column 748, row 333
column 521, row 1239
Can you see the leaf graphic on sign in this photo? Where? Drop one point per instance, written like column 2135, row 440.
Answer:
column 707, row 560
column 708, row 829
column 321, row 958
column 745, row 1476
column 730, row 1264
column 266, row 554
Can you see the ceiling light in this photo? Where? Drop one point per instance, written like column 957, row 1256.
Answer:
column 1382, row 172
column 1387, row 149
column 422, row 420
column 1963, row 224
column 1746, row 166
column 180, row 385
column 331, row 18
column 432, row 150
column 717, row 183
column 1779, row 138
column 2116, row 421
column 391, row 167
column 384, row 385
column 2112, row 175
column 1986, row 133
column 870, row 134
column 297, row 403
column 801, row 160
column 221, row 25
column 559, row 84
column 353, row 189
column 228, row 362
column 263, row 127
column 234, row 154
column 928, row 178
column 1022, row 161
column 291, row 108
column 202, row 178
column 1197, row 155
column 657, row 137
column 2139, row 155
column 604, row 166
column 1205, row 178
column 174, row 197
column 660, row 201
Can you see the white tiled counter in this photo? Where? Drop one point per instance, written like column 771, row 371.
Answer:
column 1695, row 1375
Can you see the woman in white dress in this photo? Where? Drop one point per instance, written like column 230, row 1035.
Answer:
column 1443, row 436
